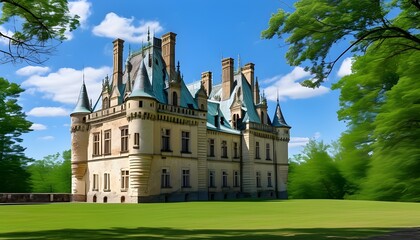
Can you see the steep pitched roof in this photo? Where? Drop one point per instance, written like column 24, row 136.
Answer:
column 279, row 120
column 142, row 87
column 82, row 105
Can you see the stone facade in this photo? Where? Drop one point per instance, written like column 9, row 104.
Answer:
column 156, row 139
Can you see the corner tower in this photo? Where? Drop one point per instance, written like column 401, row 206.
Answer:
column 79, row 145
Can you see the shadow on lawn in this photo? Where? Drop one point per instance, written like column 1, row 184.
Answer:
column 170, row 233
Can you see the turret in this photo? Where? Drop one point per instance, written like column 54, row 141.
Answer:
column 79, row 144
column 174, row 92
column 141, row 108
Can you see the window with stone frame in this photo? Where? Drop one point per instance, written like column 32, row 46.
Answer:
column 225, row 179
column 236, row 180
column 166, row 140
column 212, row 178
column 107, row 182
column 186, row 178
column 107, row 142
column 211, row 147
column 269, row 179
column 235, row 150
column 96, row 144
column 267, row 152
column 165, row 178
column 258, row 178
column 185, row 142
column 125, row 180
column 136, row 140
column 224, row 149
column 257, row 150
column 124, row 139
column 95, row 182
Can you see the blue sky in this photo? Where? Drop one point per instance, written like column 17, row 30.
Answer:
column 207, row 31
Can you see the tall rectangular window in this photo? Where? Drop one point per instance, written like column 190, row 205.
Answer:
column 96, row 144
column 107, row 182
column 224, row 179
column 166, row 137
column 257, row 150
column 258, row 178
column 125, row 178
column 267, row 152
column 211, row 147
column 124, row 139
column 185, row 140
column 136, row 140
column 165, row 178
column 236, row 178
column 235, row 150
column 269, row 179
column 107, row 142
column 95, row 182
column 212, row 179
column 186, row 178
column 224, row 149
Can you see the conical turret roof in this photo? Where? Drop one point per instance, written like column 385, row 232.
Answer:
column 142, row 87
column 82, row 105
column 279, row 120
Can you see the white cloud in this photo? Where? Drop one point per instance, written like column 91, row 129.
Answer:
column 288, row 86
column 48, row 112
column 298, row 141
column 80, row 8
column 114, row 26
column 3, row 40
column 302, row 141
column 64, row 85
column 47, row 138
column 38, row 127
column 345, row 68
column 32, row 70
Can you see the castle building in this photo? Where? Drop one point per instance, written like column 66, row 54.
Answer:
column 156, row 139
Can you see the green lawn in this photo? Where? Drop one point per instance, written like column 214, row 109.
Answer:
column 292, row 219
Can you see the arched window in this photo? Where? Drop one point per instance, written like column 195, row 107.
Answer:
column 174, row 99
column 105, row 103
column 262, row 117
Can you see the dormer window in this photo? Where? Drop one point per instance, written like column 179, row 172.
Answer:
column 174, row 99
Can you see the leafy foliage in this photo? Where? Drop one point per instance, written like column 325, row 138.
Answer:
column 314, row 174
column 36, row 25
column 13, row 123
column 52, row 174
column 316, row 27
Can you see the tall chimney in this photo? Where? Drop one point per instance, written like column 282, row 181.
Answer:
column 206, row 81
column 248, row 72
column 227, row 78
column 118, row 62
column 168, row 52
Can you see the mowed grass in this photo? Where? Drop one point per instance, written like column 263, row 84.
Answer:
column 291, row 219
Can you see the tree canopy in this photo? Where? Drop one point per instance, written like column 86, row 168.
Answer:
column 316, row 27
column 13, row 123
column 34, row 27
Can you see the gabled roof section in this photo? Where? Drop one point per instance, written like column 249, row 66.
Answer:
column 279, row 120
column 214, row 119
column 142, row 87
column 82, row 105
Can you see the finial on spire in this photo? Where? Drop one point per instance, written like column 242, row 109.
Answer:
column 83, row 74
column 129, row 50
column 277, row 95
column 239, row 62
column 177, row 67
column 148, row 33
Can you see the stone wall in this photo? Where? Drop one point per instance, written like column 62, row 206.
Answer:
column 34, row 197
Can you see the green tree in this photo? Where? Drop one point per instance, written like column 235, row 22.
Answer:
column 37, row 28
column 52, row 174
column 395, row 167
column 315, row 174
column 316, row 27
column 13, row 123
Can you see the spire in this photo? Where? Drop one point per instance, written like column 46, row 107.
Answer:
column 148, row 34
column 82, row 105
column 142, row 87
column 279, row 120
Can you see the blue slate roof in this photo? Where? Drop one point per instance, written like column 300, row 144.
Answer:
column 142, row 87
column 278, row 120
column 82, row 105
